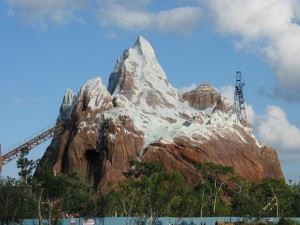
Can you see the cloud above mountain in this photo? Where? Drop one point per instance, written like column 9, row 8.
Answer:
column 125, row 14
column 269, row 28
column 273, row 127
column 43, row 13
column 121, row 14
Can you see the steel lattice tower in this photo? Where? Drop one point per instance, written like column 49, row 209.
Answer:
column 239, row 101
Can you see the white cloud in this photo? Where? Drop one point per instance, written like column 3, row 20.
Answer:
column 251, row 116
column 274, row 129
column 250, row 19
column 187, row 88
column 283, row 54
column 228, row 92
column 268, row 27
column 41, row 13
column 181, row 20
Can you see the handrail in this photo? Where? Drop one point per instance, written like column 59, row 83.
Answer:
column 29, row 138
column 31, row 142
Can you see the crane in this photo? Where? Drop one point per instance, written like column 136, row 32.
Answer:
column 239, row 101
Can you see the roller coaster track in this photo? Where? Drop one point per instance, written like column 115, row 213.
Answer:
column 43, row 136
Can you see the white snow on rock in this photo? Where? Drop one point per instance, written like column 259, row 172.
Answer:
column 67, row 106
column 149, row 89
column 96, row 92
column 142, row 93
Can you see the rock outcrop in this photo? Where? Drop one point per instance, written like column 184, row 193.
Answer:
column 207, row 98
column 140, row 116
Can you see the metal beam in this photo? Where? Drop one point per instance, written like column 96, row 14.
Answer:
column 30, row 144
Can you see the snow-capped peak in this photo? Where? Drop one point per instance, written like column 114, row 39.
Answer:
column 95, row 93
column 140, row 78
column 135, row 66
column 69, row 99
column 67, row 106
column 143, row 47
column 145, row 118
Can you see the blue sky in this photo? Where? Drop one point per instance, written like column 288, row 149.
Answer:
column 50, row 45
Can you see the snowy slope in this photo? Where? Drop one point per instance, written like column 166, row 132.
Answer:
column 141, row 92
column 139, row 77
column 140, row 116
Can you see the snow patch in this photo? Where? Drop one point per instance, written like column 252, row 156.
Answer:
column 96, row 91
column 156, row 109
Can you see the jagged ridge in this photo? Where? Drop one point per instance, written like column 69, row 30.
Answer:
column 140, row 116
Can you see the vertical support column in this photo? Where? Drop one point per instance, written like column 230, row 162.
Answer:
column 0, row 159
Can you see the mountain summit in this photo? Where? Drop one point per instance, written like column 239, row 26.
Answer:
column 139, row 77
column 140, row 116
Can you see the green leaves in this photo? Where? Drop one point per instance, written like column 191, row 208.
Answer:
column 214, row 171
column 143, row 169
column 54, row 186
column 80, row 197
column 15, row 201
column 147, row 189
column 260, row 200
column 26, row 166
column 170, row 189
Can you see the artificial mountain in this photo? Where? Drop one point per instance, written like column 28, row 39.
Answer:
column 140, row 116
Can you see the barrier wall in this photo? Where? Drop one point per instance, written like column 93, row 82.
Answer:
column 141, row 221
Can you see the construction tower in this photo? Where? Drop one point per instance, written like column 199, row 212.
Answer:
column 239, row 101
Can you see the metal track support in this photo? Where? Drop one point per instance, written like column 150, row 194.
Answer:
column 28, row 145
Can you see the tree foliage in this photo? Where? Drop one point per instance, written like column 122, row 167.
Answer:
column 148, row 190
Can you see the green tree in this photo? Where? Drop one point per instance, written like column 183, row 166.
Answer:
column 50, row 188
column 295, row 188
column 26, row 166
column 14, row 202
column 280, row 194
column 26, row 169
column 147, row 190
column 247, row 200
column 146, row 175
column 170, row 190
column 80, row 197
column 268, row 199
column 218, row 175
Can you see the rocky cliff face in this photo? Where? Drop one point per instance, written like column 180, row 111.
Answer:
column 207, row 98
column 140, row 116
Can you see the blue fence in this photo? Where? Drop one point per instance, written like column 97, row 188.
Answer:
column 141, row 221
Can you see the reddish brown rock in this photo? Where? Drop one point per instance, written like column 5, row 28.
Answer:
column 203, row 97
column 98, row 148
column 145, row 118
column 248, row 160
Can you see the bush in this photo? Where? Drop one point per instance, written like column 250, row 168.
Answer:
column 286, row 221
